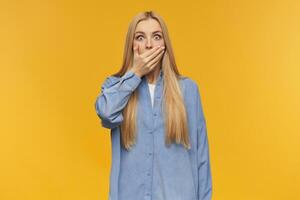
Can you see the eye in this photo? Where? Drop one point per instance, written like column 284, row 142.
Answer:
column 137, row 37
column 159, row 37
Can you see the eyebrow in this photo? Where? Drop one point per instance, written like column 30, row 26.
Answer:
column 144, row 32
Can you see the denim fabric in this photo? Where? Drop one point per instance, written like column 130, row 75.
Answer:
column 150, row 170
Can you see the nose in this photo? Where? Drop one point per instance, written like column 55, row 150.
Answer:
column 148, row 44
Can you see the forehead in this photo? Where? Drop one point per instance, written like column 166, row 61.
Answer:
column 149, row 25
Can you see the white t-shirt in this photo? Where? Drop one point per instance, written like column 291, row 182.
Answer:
column 151, row 89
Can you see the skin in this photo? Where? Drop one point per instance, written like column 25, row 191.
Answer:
column 148, row 49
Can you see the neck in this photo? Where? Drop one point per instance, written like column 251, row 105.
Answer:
column 153, row 75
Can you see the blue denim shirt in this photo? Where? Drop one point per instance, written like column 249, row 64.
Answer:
column 150, row 170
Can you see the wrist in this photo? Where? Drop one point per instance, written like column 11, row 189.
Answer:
column 136, row 72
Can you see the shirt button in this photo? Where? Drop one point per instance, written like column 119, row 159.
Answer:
column 150, row 154
column 150, row 132
column 148, row 194
column 148, row 174
column 155, row 114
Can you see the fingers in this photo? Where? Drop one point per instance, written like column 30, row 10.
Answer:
column 154, row 54
column 155, row 60
column 148, row 53
column 136, row 50
column 153, row 66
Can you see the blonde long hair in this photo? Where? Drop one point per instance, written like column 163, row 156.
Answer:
column 176, row 120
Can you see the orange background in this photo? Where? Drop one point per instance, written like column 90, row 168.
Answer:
column 54, row 55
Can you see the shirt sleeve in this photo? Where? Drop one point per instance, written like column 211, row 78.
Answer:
column 203, row 158
column 114, row 95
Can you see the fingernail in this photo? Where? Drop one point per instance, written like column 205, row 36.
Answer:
column 163, row 47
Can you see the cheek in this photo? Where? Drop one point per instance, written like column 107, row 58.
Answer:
column 135, row 43
column 139, row 43
column 159, row 43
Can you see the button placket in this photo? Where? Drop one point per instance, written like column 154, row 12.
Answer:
column 149, row 160
column 150, row 154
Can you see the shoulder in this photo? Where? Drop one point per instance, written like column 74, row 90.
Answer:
column 192, row 96
column 189, row 85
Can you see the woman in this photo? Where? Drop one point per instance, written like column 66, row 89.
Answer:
column 160, row 147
